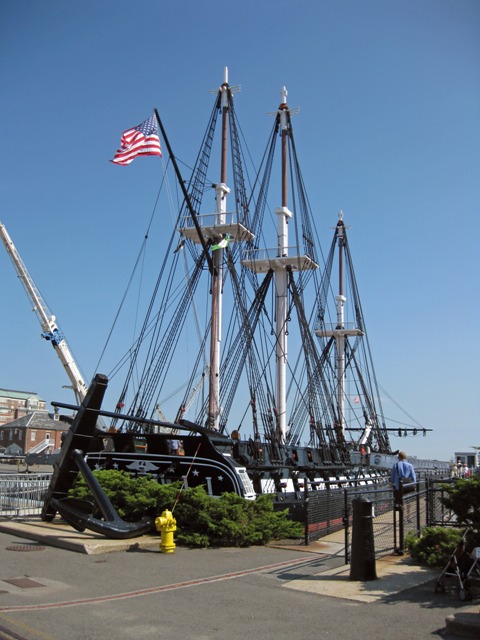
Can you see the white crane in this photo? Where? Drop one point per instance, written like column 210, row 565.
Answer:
column 188, row 403
column 47, row 321
column 193, row 394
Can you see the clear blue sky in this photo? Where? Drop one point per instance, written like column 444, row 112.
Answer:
column 388, row 131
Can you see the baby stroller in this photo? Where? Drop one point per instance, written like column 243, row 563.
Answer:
column 463, row 566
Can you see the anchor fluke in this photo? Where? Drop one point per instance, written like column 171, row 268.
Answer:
column 79, row 513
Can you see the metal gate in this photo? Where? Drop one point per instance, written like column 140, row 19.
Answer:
column 385, row 521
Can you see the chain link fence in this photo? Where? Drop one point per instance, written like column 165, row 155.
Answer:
column 438, row 514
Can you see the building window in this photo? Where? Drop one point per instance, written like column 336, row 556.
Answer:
column 33, row 436
column 31, row 404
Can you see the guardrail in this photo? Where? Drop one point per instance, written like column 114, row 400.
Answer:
column 324, row 506
column 22, row 495
column 393, row 522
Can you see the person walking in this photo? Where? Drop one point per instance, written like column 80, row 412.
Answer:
column 400, row 470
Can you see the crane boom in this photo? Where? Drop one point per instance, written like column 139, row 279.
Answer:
column 184, row 408
column 47, row 320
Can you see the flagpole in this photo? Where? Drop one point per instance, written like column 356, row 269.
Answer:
column 185, row 194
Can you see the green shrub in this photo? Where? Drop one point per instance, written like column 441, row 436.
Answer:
column 434, row 546
column 463, row 498
column 202, row 521
column 132, row 498
column 230, row 520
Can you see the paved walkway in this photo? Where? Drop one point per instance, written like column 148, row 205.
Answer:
column 273, row 586
column 394, row 573
column 29, row 586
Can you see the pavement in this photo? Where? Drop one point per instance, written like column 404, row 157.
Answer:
column 86, row 586
column 317, row 569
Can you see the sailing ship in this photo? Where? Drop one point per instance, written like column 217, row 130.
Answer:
column 281, row 393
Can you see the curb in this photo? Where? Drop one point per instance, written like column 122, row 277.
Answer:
column 464, row 623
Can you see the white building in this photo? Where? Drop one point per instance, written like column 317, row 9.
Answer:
column 470, row 458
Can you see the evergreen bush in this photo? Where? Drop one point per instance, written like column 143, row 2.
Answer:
column 132, row 498
column 434, row 546
column 202, row 521
column 463, row 498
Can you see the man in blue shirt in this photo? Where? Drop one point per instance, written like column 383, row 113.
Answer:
column 401, row 469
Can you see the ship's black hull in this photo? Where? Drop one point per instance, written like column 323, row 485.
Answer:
column 224, row 465
column 200, row 463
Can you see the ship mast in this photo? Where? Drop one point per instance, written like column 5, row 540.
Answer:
column 281, row 301
column 221, row 191
column 340, row 331
column 283, row 262
column 340, row 300
column 218, row 230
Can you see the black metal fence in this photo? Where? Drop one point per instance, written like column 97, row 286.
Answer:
column 384, row 521
column 323, row 511
column 438, row 514
column 331, row 509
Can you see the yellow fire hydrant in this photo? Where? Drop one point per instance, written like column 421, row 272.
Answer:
column 166, row 524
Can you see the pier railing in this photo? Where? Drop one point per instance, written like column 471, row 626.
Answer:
column 22, row 495
column 331, row 510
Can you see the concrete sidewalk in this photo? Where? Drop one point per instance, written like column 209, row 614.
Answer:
column 394, row 573
column 60, row 534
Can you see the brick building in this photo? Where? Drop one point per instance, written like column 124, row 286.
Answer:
column 15, row 404
column 26, row 426
column 36, row 432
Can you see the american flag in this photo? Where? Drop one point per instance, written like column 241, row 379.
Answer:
column 142, row 140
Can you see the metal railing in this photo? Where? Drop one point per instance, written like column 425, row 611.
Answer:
column 23, row 494
column 330, row 509
column 324, row 507
column 393, row 522
column 384, row 521
column 437, row 513
column 210, row 219
column 41, row 446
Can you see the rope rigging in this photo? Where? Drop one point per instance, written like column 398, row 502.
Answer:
column 250, row 343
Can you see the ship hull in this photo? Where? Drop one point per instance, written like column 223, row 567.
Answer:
column 200, row 462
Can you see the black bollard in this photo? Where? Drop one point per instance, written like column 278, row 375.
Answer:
column 362, row 566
